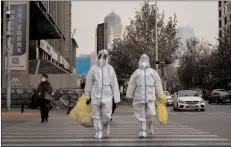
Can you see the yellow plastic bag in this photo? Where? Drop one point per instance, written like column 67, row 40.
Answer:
column 162, row 112
column 82, row 113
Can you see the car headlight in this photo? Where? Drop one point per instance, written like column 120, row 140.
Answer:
column 202, row 101
column 181, row 101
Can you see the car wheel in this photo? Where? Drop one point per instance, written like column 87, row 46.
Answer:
column 177, row 107
column 217, row 102
column 202, row 110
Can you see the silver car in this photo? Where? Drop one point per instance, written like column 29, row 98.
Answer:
column 188, row 100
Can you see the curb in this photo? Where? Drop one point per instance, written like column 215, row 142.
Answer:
column 16, row 114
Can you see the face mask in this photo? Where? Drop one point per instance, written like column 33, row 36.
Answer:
column 43, row 79
column 143, row 64
column 101, row 61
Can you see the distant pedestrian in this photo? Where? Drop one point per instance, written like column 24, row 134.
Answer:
column 44, row 89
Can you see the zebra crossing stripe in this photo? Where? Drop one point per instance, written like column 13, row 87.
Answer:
column 95, row 144
column 121, row 144
column 116, row 129
column 117, row 135
column 121, row 133
column 116, row 140
column 125, row 134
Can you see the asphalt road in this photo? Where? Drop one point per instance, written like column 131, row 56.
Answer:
column 209, row 128
column 216, row 119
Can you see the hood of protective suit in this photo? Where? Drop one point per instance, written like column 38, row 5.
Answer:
column 144, row 61
column 102, row 58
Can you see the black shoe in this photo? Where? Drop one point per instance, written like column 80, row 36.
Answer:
column 111, row 119
column 46, row 119
column 42, row 121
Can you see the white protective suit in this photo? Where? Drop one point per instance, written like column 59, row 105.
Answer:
column 101, row 86
column 144, row 87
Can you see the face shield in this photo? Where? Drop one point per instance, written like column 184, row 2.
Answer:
column 144, row 61
column 103, row 57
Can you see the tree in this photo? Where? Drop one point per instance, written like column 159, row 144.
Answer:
column 140, row 38
column 195, row 63
column 221, row 61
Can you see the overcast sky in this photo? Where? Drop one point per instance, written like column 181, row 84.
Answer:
column 202, row 16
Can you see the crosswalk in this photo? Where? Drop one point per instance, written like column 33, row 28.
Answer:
column 171, row 112
column 61, row 131
column 199, row 113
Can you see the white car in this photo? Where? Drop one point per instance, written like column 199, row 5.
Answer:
column 188, row 100
column 218, row 90
column 169, row 98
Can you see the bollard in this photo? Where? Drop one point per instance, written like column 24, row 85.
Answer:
column 22, row 108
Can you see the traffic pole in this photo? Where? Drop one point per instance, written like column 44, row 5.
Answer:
column 8, row 35
column 165, row 80
column 157, row 66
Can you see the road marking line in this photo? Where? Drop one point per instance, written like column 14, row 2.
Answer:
column 215, row 144
column 122, row 144
column 172, row 113
column 59, row 131
column 107, row 144
column 223, row 112
column 189, row 113
column 48, row 133
column 208, row 113
column 113, row 135
column 122, row 127
column 116, row 140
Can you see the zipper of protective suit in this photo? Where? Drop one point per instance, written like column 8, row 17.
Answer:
column 100, row 102
column 145, row 99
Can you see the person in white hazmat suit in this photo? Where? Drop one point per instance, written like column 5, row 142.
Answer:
column 101, row 86
column 144, row 87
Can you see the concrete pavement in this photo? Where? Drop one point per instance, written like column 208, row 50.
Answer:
column 180, row 130
column 16, row 112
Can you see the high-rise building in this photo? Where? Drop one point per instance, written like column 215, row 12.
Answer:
column 224, row 14
column 112, row 19
column 184, row 33
column 41, row 40
column 115, row 28
column 108, row 31
column 101, row 36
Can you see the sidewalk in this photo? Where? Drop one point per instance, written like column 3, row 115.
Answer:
column 16, row 112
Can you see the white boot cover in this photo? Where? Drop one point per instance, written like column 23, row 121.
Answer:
column 142, row 133
column 98, row 128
